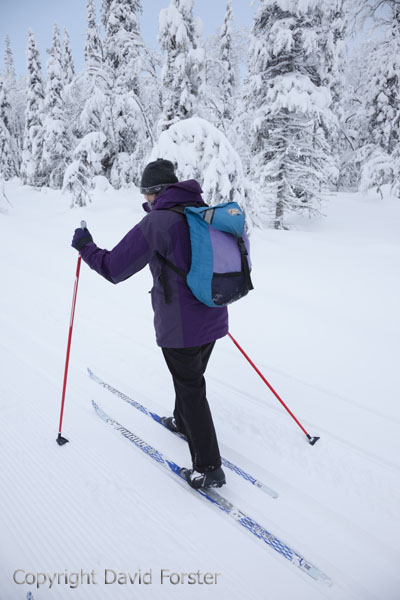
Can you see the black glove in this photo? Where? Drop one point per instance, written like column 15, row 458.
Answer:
column 81, row 238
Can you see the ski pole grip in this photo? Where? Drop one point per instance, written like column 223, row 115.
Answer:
column 83, row 224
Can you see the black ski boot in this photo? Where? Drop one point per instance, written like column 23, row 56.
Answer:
column 210, row 479
column 170, row 423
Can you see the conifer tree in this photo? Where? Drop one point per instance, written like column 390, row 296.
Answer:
column 95, row 81
column 16, row 98
column 222, row 74
column 33, row 133
column 288, row 111
column 10, row 76
column 56, row 145
column 67, row 59
column 4, row 201
column 123, row 58
column 382, row 162
column 227, row 81
column 93, row 46
column 183, row 69
column 8, row 150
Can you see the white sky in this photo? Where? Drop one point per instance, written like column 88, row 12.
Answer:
column 17, row 16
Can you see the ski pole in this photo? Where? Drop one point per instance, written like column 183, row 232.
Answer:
column 311, row 439
column 60, row 439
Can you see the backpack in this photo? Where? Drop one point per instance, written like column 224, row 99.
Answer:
column 220, row 267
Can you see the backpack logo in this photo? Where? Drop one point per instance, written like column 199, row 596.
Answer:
column 234, row 211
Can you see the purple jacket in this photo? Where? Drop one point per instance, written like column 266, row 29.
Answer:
column 184, row 322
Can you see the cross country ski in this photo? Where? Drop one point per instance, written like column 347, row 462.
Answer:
column 227, row 463
column 221, row 502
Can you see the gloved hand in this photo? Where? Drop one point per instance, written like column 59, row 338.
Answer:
column 81, row 238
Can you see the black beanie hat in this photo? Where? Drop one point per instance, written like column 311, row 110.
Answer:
column 156, row 175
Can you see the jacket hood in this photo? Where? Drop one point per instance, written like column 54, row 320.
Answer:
column 183, row 192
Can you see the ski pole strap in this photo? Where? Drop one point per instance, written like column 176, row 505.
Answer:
column 245, row 262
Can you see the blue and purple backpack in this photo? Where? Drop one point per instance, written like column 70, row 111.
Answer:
column 220, row 268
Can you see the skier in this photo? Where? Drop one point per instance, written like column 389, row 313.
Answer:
column 186, row 329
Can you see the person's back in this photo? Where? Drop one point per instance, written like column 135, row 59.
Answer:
column 186, row 329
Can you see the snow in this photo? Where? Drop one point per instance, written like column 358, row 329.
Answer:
column 200, row 149
column 322, row 325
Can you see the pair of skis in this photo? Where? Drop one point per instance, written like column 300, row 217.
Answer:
column 218, row 500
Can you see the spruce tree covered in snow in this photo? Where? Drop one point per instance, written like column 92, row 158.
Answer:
column 221, row 74
column 93, row 46
column 382, row 163
column 105, row 11
column 91, row 153
column 33, row 134
column 202, row 152
column 89, row 156
column 16, row 97
column 94, row 81
column 182, row 72
column 354, row 122
column 334, row 17
column 56, row 145
column 9, row 76
column 4, row 201
column 123, row 56
column 286, row 109
column 67, row 59
column 8, row 148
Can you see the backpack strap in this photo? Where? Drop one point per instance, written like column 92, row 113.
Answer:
column 245, row 262
column 163, row 275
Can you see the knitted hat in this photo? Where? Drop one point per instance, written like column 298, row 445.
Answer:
column 156, row 175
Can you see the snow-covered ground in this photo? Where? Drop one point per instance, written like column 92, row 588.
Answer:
column 322, row 325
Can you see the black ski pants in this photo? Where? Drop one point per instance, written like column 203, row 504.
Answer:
column 192, row 412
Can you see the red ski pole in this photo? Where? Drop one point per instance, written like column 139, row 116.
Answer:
column 311, row 439
column 60, row 439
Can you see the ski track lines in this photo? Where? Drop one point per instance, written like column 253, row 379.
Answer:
column 292, row 512
column 161, row 438
column 75, row 517
column 164, row 438
column 35, row 504
column 336, row 466
column 267, row 404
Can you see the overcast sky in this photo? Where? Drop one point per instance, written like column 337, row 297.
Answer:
column 17, row 16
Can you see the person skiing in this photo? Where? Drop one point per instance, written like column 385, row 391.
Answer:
column 186, row 329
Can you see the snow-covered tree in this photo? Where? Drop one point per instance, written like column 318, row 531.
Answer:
column 286, row 111
column 221, row 74
column 182, row 72
column 105, row 11
column 16, row 97
column 202, row 152
column 33, row 134
column 382, row 164
column 10, row 76
column 334, row 17
column 67, row 59
column 4, row 201
column 123, row 44
column 94, row 81
column 56, row 145
column 93, row 45
column 8, row 149
column 354, row 135
column 123, row 55
column 89, row 157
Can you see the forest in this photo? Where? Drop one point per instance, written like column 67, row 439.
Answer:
column 278, row 117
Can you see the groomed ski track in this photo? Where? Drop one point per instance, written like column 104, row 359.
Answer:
column 96, row 503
